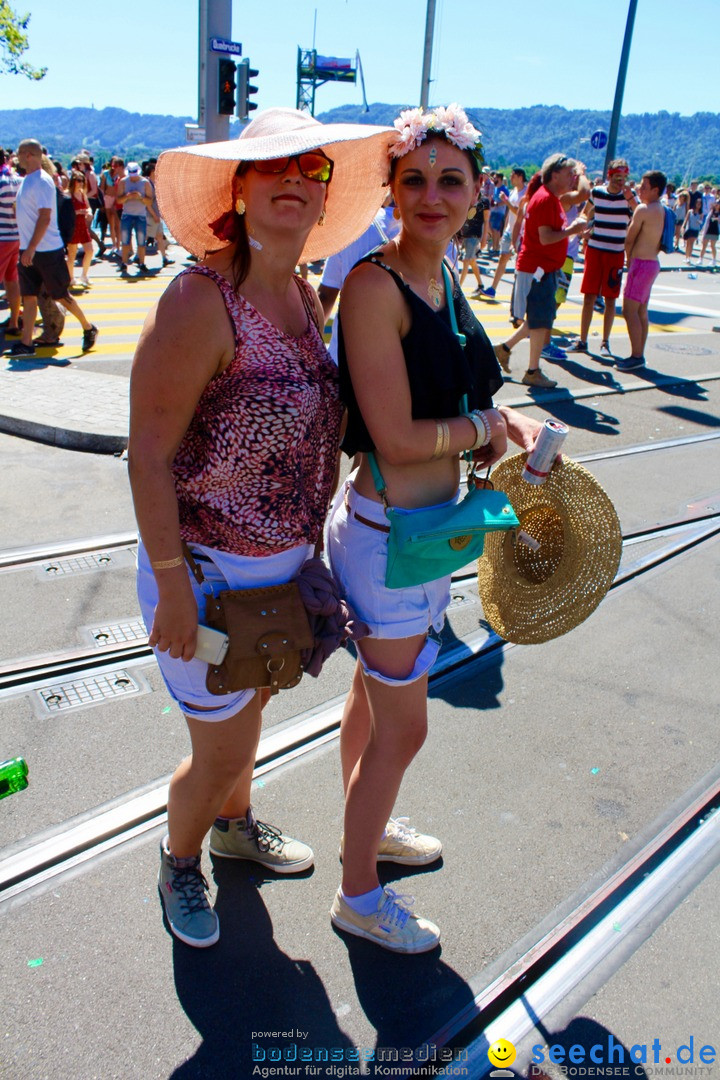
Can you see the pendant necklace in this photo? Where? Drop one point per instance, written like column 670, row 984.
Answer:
column 435, row 293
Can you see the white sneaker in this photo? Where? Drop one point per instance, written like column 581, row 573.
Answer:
column 405, row 845
column 393, row 926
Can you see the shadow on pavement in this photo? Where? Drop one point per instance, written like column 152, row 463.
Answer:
column 245, row 990
column 692, row 391
column 693, row 416
column 588, row 1050
column 405, row 998
column 37, row 363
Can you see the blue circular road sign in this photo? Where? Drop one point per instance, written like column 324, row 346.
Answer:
column 598, row 140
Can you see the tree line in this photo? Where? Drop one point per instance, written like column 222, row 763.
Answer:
column 684, row 147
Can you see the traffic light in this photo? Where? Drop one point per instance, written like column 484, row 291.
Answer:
column 245, row 74
column 226, row 87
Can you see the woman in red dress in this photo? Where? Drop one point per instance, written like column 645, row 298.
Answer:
column 81, row 235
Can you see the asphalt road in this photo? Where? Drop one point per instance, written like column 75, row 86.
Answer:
column 539, row 771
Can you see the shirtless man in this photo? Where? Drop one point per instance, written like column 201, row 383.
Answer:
column 642, row 245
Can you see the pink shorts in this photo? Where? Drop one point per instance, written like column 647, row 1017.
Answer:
column 640, row 279
column 9, row 255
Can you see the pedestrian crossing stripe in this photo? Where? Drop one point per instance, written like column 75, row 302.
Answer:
column 119, row 307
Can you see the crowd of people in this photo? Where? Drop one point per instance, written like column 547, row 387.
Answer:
column 559, row 214
column 50, row 218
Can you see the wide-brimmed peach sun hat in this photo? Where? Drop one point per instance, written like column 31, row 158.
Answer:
column 194, row 184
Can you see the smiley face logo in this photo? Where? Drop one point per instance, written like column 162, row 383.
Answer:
column 501, row 1053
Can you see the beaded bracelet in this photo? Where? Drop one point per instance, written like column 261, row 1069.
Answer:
column 168, row 564
column 482, row 428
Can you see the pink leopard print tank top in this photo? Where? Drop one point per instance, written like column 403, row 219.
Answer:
column 254, row 471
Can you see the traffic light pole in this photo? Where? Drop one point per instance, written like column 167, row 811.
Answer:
column 427, row 54
column 215, row 21
column 620, row 86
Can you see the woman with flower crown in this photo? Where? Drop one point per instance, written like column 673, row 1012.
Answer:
column 403, row 374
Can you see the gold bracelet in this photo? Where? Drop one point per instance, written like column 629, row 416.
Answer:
column 168, row 564
column 437, row 452
column 445, row 439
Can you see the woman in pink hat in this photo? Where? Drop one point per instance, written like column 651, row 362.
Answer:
column 234, row 431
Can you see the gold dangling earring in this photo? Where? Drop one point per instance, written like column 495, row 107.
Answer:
column 321, row 219
column 471, row 213
column 396, row 213
column 240, row 205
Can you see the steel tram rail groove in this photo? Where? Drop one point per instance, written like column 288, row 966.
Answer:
column 16, row 558
column 614, row 918
column 104, row 828
column 33, row 673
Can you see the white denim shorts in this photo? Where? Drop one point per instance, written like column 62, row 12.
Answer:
column 185, row 679
column 358, row 558
column 506, row 242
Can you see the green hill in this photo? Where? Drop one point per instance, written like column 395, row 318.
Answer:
column 102, row 131
column 683, row 146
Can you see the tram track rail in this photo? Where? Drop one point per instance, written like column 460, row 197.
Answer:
column 592, row 936
column 602, row 925
column 28, row 673
column 21, row 558
column 24, row 867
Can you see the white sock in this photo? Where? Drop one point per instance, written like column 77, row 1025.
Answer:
column 365, row 903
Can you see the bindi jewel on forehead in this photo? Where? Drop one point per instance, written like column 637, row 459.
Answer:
column 433, row 156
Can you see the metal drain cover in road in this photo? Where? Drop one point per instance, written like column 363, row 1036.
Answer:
column 83, row 692
column 686, row 350
column 131, row 630
column 118, row 558
column 460, row 599
column 77, row 564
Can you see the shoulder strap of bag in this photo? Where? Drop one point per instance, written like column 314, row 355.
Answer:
column 380, row 485
column 462, row 340
column 450, row 298
column 195, row 568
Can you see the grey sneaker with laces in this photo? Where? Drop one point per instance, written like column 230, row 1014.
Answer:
column 183, row 891
column 248, row 838
column 393, row 926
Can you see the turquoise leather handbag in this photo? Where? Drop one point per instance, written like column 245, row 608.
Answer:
column 431, row 543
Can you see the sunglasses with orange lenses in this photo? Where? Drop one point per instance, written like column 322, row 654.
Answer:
column 313, row 165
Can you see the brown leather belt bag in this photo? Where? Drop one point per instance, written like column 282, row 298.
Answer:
column 267, row 627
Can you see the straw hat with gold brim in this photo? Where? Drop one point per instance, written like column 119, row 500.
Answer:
column 194, row 183
column 533, row 596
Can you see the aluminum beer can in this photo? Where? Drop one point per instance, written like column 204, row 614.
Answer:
column 540, row 462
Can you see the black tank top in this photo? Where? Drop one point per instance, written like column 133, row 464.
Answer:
column 440, row 371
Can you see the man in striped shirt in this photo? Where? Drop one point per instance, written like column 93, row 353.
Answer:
column 9, row 244
column 613, row 206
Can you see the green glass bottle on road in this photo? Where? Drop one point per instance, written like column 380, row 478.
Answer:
column 13, row 776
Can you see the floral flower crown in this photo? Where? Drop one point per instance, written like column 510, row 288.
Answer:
column 413, row 125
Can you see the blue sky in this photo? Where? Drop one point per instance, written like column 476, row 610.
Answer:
column 502, row 55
